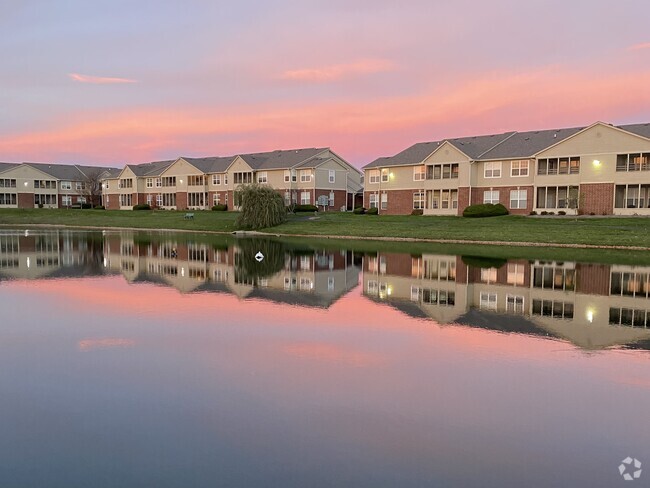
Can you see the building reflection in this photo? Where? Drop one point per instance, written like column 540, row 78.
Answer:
column 591, row 305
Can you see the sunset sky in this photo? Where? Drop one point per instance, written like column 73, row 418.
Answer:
column 115, row 82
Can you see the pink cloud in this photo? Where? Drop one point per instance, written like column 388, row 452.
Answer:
column 325, row 74
column 104, row 343
column 638, row 47
column 99, row 80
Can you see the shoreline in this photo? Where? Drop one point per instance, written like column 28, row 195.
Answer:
column 339, row 237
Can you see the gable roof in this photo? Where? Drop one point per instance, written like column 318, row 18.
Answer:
column 509, row 145
column 279, row 159
column 71, row 172
column 7, row 166
column 212, row 164
column 155, row 168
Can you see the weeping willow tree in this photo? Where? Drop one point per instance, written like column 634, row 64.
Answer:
column 261, row 207
column 248, row 269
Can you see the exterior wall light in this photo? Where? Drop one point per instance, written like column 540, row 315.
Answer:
column 26, row 183
column 596, row 162
column 392, row 176
column 590, row 316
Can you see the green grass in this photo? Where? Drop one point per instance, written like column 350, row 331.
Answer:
column 550, row 230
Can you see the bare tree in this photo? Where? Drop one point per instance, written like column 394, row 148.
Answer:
column 92, row 188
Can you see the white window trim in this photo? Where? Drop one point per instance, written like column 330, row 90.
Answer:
column 492, row 194
column 305, row 176
column 419, row 173
column 493, row 166
column 262, row 177
column 374, row 176
column 527, row 167
column 332, row 176
column 519, row 199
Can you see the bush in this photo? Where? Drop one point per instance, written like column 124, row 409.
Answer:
column 485, row 210
column 483, row 262
column 86, row 205
column 532, row 213
column 551, row 213
column 142, row 206
column 543, row 212
column 100, row 207
column 305, row 208
column 417, row 211
column 561, row 212
column 359, row 211
column 372, row 211
column 222, row 207
column 261, row 207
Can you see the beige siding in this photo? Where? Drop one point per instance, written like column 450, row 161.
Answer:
column 506, row 178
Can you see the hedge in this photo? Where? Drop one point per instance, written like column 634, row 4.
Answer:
column 222, row 207
column 485, row 210
column 359, row 211
column 305, row 208
column 142, row 206
column 372, row 211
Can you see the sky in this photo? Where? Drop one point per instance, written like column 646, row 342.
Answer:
column 116, row 82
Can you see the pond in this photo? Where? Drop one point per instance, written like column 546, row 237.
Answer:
column 177, row 360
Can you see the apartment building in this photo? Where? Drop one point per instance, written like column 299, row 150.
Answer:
column 600, row 169
column 313, row 176
column 593, row 306
column 34, row 185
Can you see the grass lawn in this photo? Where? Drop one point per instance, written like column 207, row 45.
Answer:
column 613, row 231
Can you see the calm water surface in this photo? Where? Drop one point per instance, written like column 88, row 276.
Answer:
column 131, row 360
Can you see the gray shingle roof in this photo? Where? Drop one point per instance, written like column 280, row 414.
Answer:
column 642, row 130
column 526, row 144
column 154, row 168
column 288, row 158
column 7, row 166
column 212, row 164
column 67, row 172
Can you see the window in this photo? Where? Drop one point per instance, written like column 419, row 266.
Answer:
column 554, row 277
column 168, row 181
column 372, row 202
column 514, row 304
column 492, row 169
column 80, row 185
column 124, row 183
column 515, row 274
column 419, row 173
column 519, row 168
column 158, row 183
column 418, row 200
column 553, row 308
column 287, row 198
column 169, row 199
column 490, row 196
column 81, row 199
column 488, row 275
column 488, row 301
column 195, row 180
column 106, row 184
column 242, row 178
column 305, row 198
column 561, row 166
column 330, row 283
column 196, row 199
column 66, row 200
column 159, row 200
column 287, row 176
column 67, row 185
column 305, row 176
column 557, row 197
column 332, row 176
column 45, row 184
column 225, row 178
column 384, row 201
column 149, row 182
column 126, row 200
column 7, row 183
column 632, row 196
column 44, row 199
column 262, row 177
column 215, row 199
column 384, row 175
column 216, row 179
column 373, row 176
column 331, row 199
column 633, row 162
column 518, row 198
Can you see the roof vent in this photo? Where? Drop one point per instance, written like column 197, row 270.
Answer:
column 554, row 135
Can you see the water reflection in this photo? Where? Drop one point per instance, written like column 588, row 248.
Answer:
column 593, row 306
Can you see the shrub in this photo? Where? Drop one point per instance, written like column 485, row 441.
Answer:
column 532, row 213
column 543, row 212
column 86, row 205
column 373, row 211
column 417, row 211
column 359, row 211
column 561, row 212
column 485, row 210
column 222, row 207
column 483, row 262
column 592, row 213
column 305, row 208
column 142, row 206
column 261, row 207
column 100, row 207
column 551, row 213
